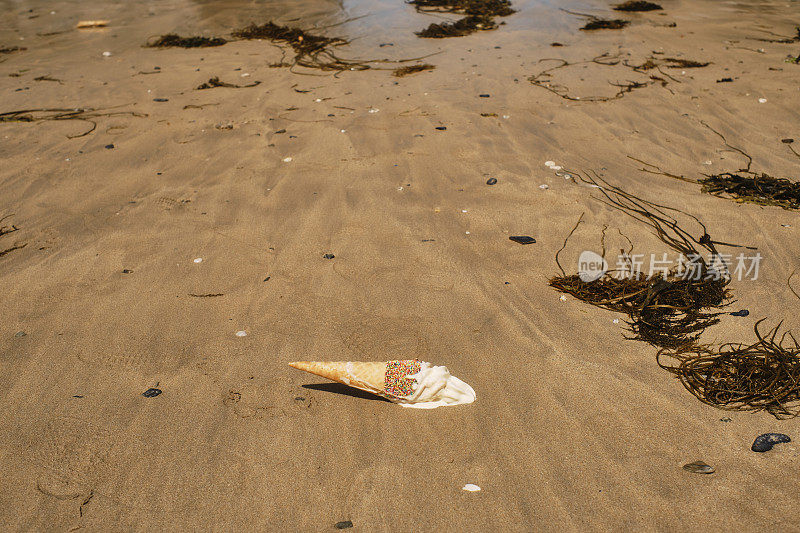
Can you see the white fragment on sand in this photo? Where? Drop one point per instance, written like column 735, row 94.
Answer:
column 707, row 162
column 198, row 260
column 544, row 186
column 563, row 298
column 469, row 487
column 241, row 333
column 549, row 164
column 506, row 116
column 762, row 100
column 615, row 321
column 373, row 110
column 287, row 159
column 318, row 100
column 106, row 54
column 466, row 232
column 343, row 131
column 246, row 75
column 463, row 210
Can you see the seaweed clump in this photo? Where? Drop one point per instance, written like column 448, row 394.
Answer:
column 174, row 40
column 605, row 24
column 764, row 375
column 459, row 28
column 487, row 8
column 480, row 16
column 761, row 190
column 667, row 310
column 215, row 82
column 637, row 5
column 311, row 51
column 411, row 69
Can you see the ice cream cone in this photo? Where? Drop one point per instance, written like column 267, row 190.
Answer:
column 367, row 376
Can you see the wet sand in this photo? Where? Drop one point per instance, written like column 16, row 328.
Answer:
column 574, row 427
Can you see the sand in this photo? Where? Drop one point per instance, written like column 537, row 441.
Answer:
column 574, row 427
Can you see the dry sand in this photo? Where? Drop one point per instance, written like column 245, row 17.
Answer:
column 574, row 427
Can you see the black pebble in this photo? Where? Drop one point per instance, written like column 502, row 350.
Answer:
column 267, row 278
column 151, row 393
column 347, row 524
column 280, row 131
column 522, row 239
column 765, row 442
column 109, row 147
column 328, row 256
column 787, row 141
column 743, row 312
column 161, row 99
column 491, row 181
column 725, row 80
column 127, row 271
column 441, row 128
column 484, row 95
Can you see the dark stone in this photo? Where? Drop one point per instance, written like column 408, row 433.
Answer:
column 328, row 256
column 20, row 334
column 522, row 239
column 151, row 393
column 346, row 524
column 441, row 128
column 491, row 181
column 109, row 147
column 161, row 99
column 787, row 141
column 725, row 80
column 743, row 312
column 127, row 271
column 484, row 95
column 280, row 131
column 765, row 442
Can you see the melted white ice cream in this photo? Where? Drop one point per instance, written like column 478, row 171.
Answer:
column 435, row 387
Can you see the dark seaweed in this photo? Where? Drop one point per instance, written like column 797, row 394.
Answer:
column 215, row 82
column 605, row 24
column 637, row 5
column 764, row 375
column 459, row 28
column 412, row 69
column 174, row 40
column 751, row 188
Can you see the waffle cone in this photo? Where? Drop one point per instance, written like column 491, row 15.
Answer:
column 367, row 376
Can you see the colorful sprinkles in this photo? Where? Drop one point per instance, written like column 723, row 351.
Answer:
column 396, row 382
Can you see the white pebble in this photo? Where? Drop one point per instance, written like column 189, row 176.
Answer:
column 469, row 487
column 466, row 232
column 374, row 110
column 615, row 321
column 762, row 100
column 463, row 210
column 343, row 131
column 318, row 100
column 550, row 164
column 544, row 186
column 555, row 167
column 506, row 116
column 563, row 298
column 287, row 159
column 241, row 333
column 246, row 75
column 198, row 260
column 106, row 54
column 707, row 162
